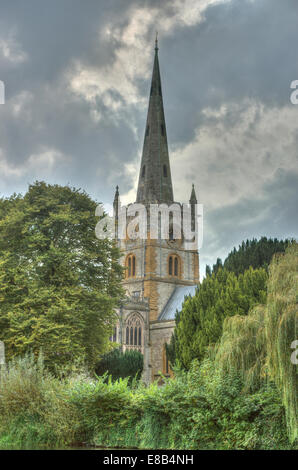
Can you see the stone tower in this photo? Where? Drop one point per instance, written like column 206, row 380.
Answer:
column 159, row 272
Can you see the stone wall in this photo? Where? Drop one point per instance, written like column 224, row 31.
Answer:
column 154, row 287
column 160, row 333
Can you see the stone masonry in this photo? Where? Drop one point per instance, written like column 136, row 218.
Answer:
column 158, row 272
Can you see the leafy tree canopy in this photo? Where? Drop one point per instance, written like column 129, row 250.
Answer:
column 121, row 365
column 221, row 295
column 254, row 253
column 59, row 284
column 260, row 344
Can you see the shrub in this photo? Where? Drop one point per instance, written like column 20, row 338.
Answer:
column 33, row 405
column 121, row 365
column 198, row 409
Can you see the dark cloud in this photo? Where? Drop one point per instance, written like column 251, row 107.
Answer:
column 242, row 50
column 272, row 214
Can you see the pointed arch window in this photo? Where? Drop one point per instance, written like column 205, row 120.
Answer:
column 130, row 265
column 170, row 265
column 134, row 332
column 174, row 265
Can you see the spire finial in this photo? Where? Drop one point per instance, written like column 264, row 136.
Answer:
column 156, row 41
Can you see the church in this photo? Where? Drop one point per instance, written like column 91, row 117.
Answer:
column 159, row 273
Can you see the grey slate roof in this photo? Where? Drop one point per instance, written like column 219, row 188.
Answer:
column 175, row 302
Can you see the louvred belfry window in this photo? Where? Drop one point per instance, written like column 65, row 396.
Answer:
column 174, row 266
column 130, row 264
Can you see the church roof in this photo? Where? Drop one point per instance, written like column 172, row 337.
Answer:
column 155, row 182
column 175, row 302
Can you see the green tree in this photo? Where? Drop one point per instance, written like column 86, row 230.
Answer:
column 259, row 344
column 121, row 365
column 59, row 284
column 254, row 253
column 171, row 348
column 221, row 295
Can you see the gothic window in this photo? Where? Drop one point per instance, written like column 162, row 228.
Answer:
column 115, row 335
column 170, row 265
column 174, row 265
column 130, row 265
column 165, row 171
column 134, row 332
column 143, row 171
column 166, row 366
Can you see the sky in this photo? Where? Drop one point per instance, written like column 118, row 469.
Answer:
column 77, row 80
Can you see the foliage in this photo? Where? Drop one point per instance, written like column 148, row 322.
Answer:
column 242, row 347
column 33, row 406
column 219, row 296
column 120, row 365
column 171, row 348
column 59, row 284
column 259, row 346
column 254, row 253
column 281, row 327
column 198, row 409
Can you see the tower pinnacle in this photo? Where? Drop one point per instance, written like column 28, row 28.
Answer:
column 193, row 197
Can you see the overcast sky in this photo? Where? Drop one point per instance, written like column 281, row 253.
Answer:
column 77, row 77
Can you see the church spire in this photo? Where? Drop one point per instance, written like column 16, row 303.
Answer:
column 155, row 182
